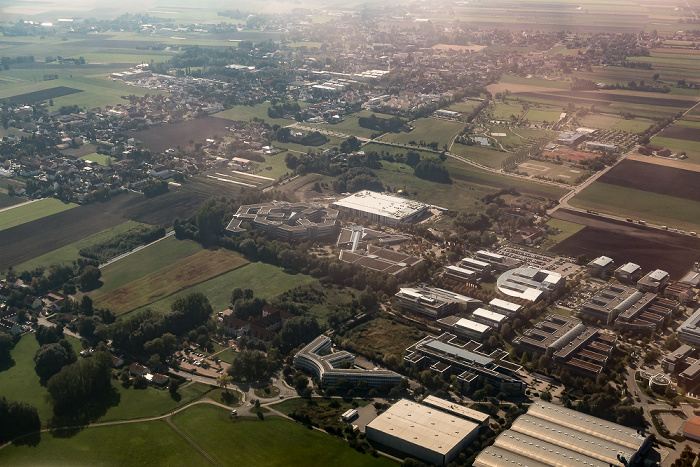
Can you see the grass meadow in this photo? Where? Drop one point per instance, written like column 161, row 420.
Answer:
column 567, row 230
column 247, row 441
column 428, row 130
column 102, row 159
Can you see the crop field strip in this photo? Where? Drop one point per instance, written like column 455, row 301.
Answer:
column 32, row 211
column 46, row 94
column 655, row 179
column 192, row 270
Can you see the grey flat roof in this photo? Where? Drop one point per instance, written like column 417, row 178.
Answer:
column 458, row 352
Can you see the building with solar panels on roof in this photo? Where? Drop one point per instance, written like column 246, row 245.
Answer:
column 549, row 435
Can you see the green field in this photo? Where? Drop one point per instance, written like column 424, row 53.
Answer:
column 567, row 230
column 32, row 211
column 674, row 144
column 69, row 253
column 628, row 202
column 176, row 277
column 536, row 115
column 545, row 83
column 481, row 154
column 265, row 280
column 350, row 125
column 632, row 126
column 102, row 159
column 144, row 262
column 147, row 443
column 245, row 113
column 20, row 382
column 273, row 441
column 504, row 110
column 428, row 130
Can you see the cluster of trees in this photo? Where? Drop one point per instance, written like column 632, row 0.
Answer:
column 17, row 419
column 77, row 383
column 253, row 365
column 285, row 108
column 583, row 85
column 49, row 359
column 39, row 281
column 382, row 125
column 134, row 333
column 349, row 145
column 123, row 243
column 154, row 188
column 356, row 179
column 7, row 343
column 312, row 138
column 432, row 169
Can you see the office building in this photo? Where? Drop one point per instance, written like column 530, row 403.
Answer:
column 529, row 283
column 287, row 221
column 489, row 318
column 628, row 273
column 464, row 328
column 602, row 266
column 497, row 261
column 689, row 331
column 653, row 282
column 382, row 208
column 505, row 308
column 433, row 303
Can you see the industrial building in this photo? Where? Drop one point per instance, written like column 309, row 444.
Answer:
column 583, row 350
column 442, row 355
column 357, row 237
column 598, row 146
column 628, row 308
column 380, row 259
column 433, row 303
column 463, row 328
column 319, row 359
column 529, row 283
column 382, row 208
column 550, row 435
column 287, row 221
column 498, row 262
column 679, row 291
column 689, row 331
column 423, row 431
column 480, row 418
column 505, row 308
column 628, row 273
column 602, row 266
column 653, row 282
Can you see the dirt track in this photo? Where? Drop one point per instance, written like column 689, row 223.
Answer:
column 625, row 242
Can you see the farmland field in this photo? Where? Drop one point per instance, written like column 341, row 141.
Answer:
column 30, row 240
column 258, row 442
column 144, row 262
column 245, row 113
column 7, row 200
column 69, row 253
column 163, row 137
column 427, row 130
column 536, row 115
column 638, row 204
column 567, row 230
column 266, row 281
column 351, row 125
column 192, row 270
column 656, row 179
column 624, row 242
column 43, row 95
column 32, row 211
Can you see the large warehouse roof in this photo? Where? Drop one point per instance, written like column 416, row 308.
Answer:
column 381, row 204
column 553, row 435
column 423, row 426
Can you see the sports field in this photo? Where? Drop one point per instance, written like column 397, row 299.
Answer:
column 563, row 173
column 160, row 284
column 102, row 159
column 32, row 211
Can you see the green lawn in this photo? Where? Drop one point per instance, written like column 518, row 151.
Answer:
column 428, row 130
column 267, row 281
column 503, row 110
column 632, row 126
column 273, row 441
column 536, row 115
column 628, row 202
column 21, row 383
column 69, row 253
column 32, row 211
column 144, row 262
column 147, row 443
column 350, row 124
column 102, row 159
column 671, row 143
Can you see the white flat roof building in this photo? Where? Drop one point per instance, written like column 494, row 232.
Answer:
column 505, row 307
column 489, row 318
column 383, row 208
column 529, row 283
column 422, row 431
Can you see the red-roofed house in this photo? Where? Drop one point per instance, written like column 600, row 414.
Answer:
column 138, row 370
